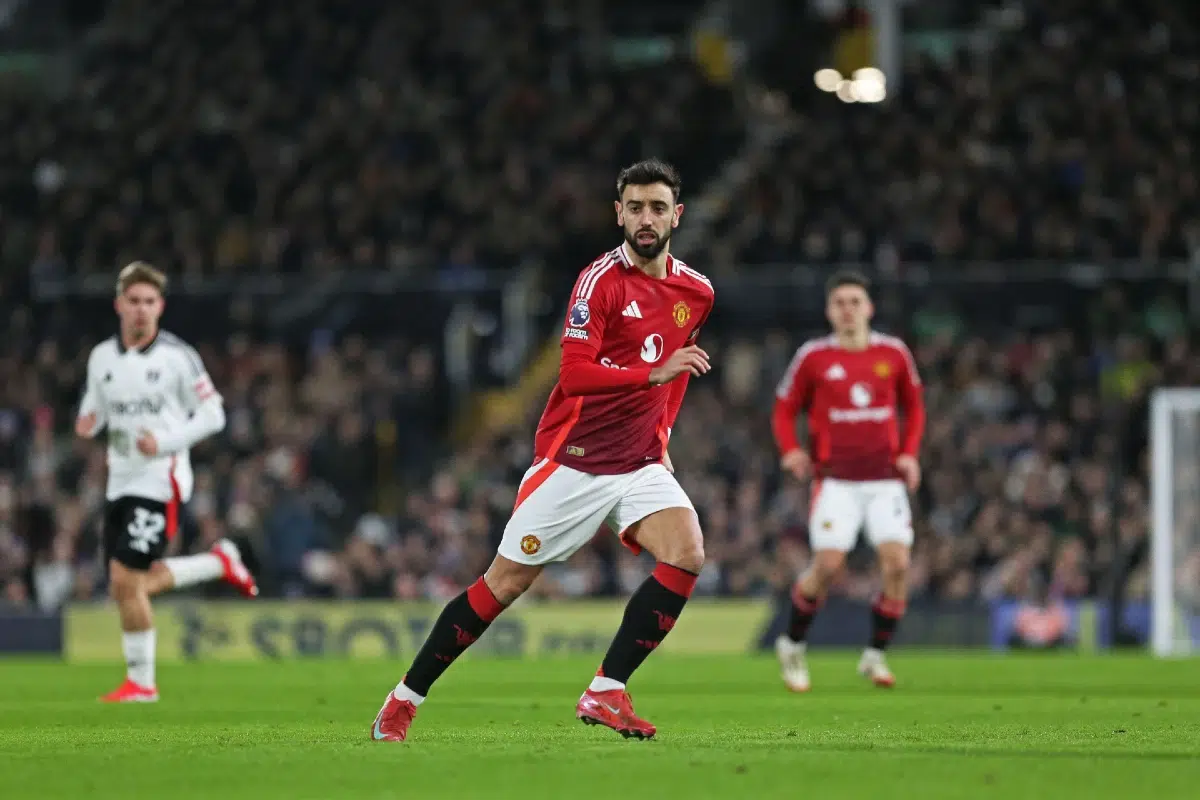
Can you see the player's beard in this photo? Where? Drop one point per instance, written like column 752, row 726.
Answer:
column 648, row 250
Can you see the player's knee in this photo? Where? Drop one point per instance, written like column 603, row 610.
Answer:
column 509, row 580
column 673, row 537
column 828, row 564
column 124, row 584
column 687, row 554
column 894, row 563
column 682, row 546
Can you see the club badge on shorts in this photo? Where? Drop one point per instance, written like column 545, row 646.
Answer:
column 530, row 544
column 682, row 313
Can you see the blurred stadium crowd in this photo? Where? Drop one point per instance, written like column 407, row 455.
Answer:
column 409, row 148
column 311, row 135
column 1062, row 140
column 324, row 467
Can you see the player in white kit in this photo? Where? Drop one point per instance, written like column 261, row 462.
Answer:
column 150, row 392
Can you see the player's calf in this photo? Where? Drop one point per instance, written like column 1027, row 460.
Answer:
column 461, row 623
column 809, row 592
column 886, row 613
column 127, row 586
column 673, row 537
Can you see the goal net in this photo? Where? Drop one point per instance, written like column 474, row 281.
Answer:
column 1175, row 510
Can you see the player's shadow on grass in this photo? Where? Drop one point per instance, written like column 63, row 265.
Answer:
column 1011, row 752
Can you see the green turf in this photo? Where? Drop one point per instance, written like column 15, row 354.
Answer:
column 958, row 726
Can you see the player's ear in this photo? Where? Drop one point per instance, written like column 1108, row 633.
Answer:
column 620, row 216
column 678, row 214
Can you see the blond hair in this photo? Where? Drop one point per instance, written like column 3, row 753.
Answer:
column 140, row 272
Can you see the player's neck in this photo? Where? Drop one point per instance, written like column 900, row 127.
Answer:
column 132, row 341
column 857, row 340
column 654, row 267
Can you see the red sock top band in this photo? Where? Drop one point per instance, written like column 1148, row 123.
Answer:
column 677, row 580
column 808, row 605
column 890, row 607
column 483, row 602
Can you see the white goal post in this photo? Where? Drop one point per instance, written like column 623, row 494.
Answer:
column 1175, row 521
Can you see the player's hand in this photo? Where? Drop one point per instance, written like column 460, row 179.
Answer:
column 910, row 471
column 798, row 463
column 690, row 359
column 85, row 425
column 667, row 462
column 147, row 445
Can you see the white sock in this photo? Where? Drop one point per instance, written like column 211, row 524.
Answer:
column 402, row 692
column 601, row 684
column 190, row 570
column 138, row 647
column 873, row 654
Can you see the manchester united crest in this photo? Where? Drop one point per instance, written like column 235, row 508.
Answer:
column 682, row 313
column 883, row 369
column 530, row 544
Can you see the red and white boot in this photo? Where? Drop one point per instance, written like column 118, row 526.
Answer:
column 874, row 668
column 613, row 709
column 236, row 574
column 130, row 692
column 393, row 720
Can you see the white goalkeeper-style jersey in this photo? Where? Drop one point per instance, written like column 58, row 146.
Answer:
column 162, row 388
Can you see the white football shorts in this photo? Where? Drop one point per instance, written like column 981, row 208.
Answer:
column 559, row 509
column 840, row 509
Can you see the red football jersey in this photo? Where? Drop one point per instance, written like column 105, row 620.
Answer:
column 603, row 416
column 852, row 398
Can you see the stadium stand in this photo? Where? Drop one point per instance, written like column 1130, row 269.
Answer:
column 187, row 145
column 977, row 156
column 312, row 135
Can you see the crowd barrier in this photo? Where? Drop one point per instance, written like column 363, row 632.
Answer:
column 196, row 630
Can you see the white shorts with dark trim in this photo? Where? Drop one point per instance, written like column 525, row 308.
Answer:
column 559, row 509
column 839, row 509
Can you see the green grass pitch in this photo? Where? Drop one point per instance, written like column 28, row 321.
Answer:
column 957, row 726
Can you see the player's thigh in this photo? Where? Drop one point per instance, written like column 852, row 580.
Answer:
column 135, row 532
column 558, row 511
column 655, row 514
column 889, row 515
column 836, row 515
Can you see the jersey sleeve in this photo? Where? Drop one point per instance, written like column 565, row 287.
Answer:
column 792, row 395
column 195, row 386
column 200, row 399
column 695, row 334
column 911, row 395
column 679, row 385
column 93, row 391
column 591, row 307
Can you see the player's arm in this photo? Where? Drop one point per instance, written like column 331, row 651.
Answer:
column 680, row 385
column 792, row 396
column 677, row 391
column 204, row 403
column 911, row 396
column 579, row 372
column 93, row 414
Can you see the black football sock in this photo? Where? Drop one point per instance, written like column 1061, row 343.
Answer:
column 462, row 621
column 885, row 617
column 649, row 617
column 804, row 609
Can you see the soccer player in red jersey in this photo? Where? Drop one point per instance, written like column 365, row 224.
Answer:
column 854, row 385
column 628, row 351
